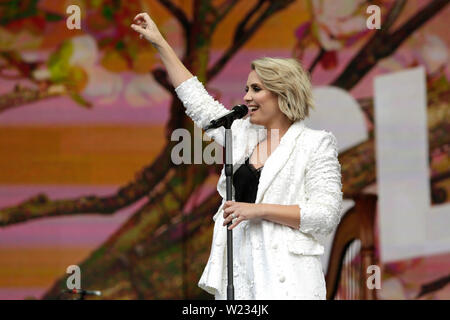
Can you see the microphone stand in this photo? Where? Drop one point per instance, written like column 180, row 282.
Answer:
column 229, row 186
column 226, row 121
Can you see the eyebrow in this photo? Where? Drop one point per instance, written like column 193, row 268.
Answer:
column 254, row 84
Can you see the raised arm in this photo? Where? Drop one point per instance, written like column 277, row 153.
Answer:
column 200, row 106
column 147, row 29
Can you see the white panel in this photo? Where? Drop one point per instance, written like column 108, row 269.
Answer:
column 409, row 227
column 338, row 112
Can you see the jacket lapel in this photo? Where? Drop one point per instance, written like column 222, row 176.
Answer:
column 278, row 158
column 255, row 135
column 242, row 149
column 274, row 162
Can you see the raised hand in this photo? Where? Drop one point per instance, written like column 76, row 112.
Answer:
column 147, row 29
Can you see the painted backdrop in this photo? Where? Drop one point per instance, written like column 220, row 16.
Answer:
column 86, row 118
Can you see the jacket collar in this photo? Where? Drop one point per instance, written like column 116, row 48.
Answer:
column 274, row 162
column 278, row 158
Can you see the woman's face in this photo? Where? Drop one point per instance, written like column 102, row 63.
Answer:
column 265, row 102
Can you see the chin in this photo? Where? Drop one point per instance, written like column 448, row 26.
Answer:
column 252, row 121
column 256, row 122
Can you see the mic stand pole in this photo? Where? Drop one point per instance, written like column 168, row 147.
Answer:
column 229, row 185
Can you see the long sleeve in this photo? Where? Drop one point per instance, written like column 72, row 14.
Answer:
column 201, row 107
column 321, row 212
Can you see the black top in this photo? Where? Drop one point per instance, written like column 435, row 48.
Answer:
column 245, row 182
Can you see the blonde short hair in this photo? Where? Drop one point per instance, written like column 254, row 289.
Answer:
column 286, row 78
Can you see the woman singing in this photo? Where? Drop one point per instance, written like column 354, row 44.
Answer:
column 285, row 200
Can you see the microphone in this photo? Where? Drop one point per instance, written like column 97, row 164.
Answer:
column 237, row 112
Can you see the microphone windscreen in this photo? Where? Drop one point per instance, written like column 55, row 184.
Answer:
column 241, row 110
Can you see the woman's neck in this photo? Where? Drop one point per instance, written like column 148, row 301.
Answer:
column 277, row 130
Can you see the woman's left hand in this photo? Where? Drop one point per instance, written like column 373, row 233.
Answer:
column 240, row 211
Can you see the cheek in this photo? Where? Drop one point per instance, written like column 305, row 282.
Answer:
column 268, row 99
column 270, row 107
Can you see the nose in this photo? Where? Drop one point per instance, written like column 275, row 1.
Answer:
column 247, row 97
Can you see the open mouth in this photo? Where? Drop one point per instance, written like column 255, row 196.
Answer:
column 253, row 108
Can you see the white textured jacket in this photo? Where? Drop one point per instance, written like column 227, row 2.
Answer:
column 302, row 170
